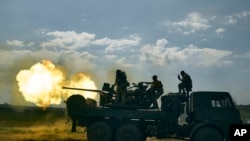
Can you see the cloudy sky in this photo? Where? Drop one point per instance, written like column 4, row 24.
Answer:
column 208, row 39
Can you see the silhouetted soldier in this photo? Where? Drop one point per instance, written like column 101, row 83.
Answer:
column 186, row 83
column 121, row 86
column 156, row 90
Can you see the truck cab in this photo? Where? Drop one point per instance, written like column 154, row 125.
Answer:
column 213, row 110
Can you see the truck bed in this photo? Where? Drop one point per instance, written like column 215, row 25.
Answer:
column 127, row 113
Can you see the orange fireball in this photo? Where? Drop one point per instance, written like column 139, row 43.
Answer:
column 81, row 80
column 42, row 84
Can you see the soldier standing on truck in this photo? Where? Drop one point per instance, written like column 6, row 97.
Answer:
column 156, row 90
column 121, row 86
column 186, row 83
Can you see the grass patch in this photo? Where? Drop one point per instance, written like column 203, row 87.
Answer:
column 59, row 131
column 28, row 116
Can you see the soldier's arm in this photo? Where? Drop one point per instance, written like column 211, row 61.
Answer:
column 147, row 82
column 179, row 77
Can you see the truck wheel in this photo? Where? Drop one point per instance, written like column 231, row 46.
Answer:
column 207, row 134
column 99, row 131
column 75, row 104
column 129, row 132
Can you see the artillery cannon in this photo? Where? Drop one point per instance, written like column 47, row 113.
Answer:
column 106, row 93
column 137, row 96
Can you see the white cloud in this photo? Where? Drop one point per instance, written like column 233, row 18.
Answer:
column 68, row 39
column 243, row 14
column 111, row 57
column 204, row 39
column 154, row 53
column 122, row 62
column 194, row 22
column 75, row 61
column 15, row 43
column 18, row 43
column 30, row 44
column 73, row 40
column 162, row 55
column 117, row 44
column 12, row 56
column 219, row 31
column 233, row 19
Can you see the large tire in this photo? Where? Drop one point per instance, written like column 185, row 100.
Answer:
column 207, row 134
column 129, row 132
column 100, row 131
column 75, row 104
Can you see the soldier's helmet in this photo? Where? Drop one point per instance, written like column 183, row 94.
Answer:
column 182, row 72
column 118, row 71
column 154, row 77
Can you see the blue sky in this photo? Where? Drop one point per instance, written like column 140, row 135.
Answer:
column 207, row 39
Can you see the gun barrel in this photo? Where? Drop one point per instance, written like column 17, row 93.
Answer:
column 81, row 89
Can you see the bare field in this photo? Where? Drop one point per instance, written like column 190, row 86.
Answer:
column 56, row 132
column 60, row 131
column 48, row 134
column 35, row 124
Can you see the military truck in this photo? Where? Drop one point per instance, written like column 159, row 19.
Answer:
column 208, row 117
